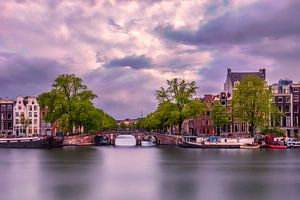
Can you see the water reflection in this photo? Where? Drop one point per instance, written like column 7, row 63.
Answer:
column 167, row 173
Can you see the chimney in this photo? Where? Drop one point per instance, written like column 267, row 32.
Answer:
column 228, row 70
column 263, row 72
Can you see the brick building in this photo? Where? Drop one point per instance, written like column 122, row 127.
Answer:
column 6, row 114
column 232, row 80
column 286, row 97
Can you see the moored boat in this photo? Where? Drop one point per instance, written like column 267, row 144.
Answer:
column 275, row 146
column 271, row 144
column 213, row 142
column 250, row 146
column 293, row 144
column 100, row 140
column 125, row 140
column 32, row 142
column 148, row 141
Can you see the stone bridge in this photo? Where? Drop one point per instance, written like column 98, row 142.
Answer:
column 81, row 140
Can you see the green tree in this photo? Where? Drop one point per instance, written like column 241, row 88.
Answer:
column 70, row 103
column 180, row 93
column 252, row 103
column 219, row 116
column 25, row 122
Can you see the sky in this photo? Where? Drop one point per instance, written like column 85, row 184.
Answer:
column 125, row 50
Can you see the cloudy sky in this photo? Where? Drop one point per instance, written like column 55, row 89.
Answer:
column 125, row 50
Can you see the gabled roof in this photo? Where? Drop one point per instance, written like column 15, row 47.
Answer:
column 238, row 76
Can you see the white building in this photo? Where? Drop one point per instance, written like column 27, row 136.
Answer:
column 29, row 108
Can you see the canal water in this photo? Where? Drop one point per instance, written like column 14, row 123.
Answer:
column 165, row 173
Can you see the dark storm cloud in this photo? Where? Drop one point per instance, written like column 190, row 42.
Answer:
column 26, row 76
column 264, row 19
column 134, row 61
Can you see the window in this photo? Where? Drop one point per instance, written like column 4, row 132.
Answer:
column 9, row 107
column 17, row 121
column 35, row 121
column 295, row 109
column 30, row 108
column 9, row 125
column 3, row 116
column 295, row 89
column 9, row 116
column 35, row 114
column 19, row 107
column 287, row 109
column 288, row 121
column 207, row 113
column 296, row 98
column 35, row 107
column 17, row 114
column 3, row 107
column 288, row 99
column 30, row 114
column 279, row 99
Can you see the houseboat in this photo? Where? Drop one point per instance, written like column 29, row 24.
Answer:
column 125, row 140
column 214, row 142
column 32, row 142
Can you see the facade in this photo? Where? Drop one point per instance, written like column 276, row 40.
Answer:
column 46, row 128
column 26, row 109
column 6, row 113
column 202, row 124
column 286, row 97
column 234, row 78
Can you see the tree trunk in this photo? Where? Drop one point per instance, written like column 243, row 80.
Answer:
column 179, row 126
column 251, row 130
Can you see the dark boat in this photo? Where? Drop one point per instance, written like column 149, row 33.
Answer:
column 32, row 142
column 206, row 146
column 100, row 140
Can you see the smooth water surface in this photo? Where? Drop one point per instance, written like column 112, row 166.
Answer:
column 166, row 173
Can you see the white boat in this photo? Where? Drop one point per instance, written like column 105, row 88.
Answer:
column 293, row 144
column 149, row 141
column 125, row 140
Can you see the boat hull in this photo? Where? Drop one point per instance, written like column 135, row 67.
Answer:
column 204, row 146
column 32, row 143
column 271, row 146
column 250, row 147
column 147, row 144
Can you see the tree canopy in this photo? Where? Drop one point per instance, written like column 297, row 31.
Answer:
column 219, row 115
column 252, row 103
column 177, row 103
column 70, row 103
